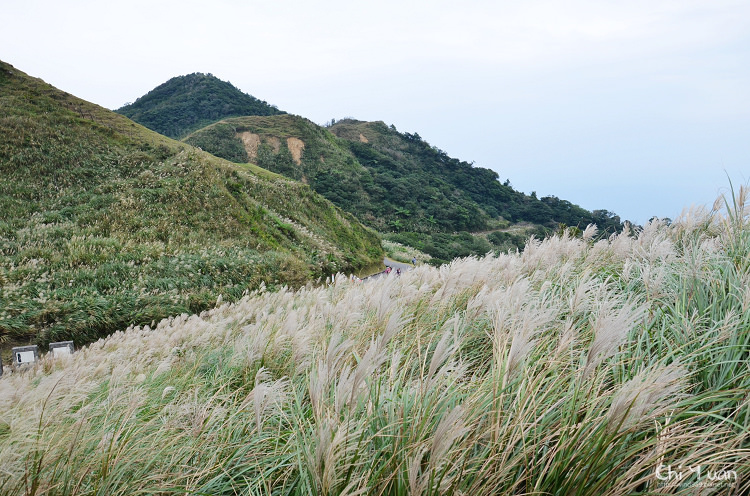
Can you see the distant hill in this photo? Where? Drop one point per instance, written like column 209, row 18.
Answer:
column 397, row 183
column 423, row 176
column 301, row 150
column 394, row 182
column 104, row 224
column 186, row 103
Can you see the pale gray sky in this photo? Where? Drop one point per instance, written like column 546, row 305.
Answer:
column 638, row 107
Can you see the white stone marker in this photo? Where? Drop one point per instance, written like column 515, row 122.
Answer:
column 23, row 355
column 63, row 348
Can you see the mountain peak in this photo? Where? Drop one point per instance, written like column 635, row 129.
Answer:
column 186, row 103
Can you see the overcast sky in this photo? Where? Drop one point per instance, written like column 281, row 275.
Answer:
column 638, row 107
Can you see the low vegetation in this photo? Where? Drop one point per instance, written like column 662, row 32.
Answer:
column 444, row 247
column 399, row 184
column 577, row 367
column 105, row 224
column 403, row 253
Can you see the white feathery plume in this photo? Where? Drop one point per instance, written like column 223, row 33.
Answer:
column 322, row 376
column 351, row 381
column 653, row 242
column 621, row 245
column 417, row 481
column 266, row 395
column 443, row 350
column 590, row 232
column 580, row 298
column 520, row 315
column 395, row 367
column 332, row 446
column 651, row 391
column 534, row 320
column 394, row 326
column 567, row 337
column 610, row 330
column 477, row 304
column 450, row 428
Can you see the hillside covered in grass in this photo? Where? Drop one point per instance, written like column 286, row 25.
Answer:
column 397, row 183
column 186, row 103
column 579, row 367
column 104, row 224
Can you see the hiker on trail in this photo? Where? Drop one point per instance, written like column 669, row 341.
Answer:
column 414, row 260
column 398, row 272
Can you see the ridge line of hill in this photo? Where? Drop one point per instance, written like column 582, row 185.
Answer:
column 398, row 184
column 105, row 224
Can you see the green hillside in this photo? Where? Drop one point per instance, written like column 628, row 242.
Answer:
column 397, row 183
column 186, row 103
column 576, row 368
column 410, row 161
column 302, row 150
column 104, row 224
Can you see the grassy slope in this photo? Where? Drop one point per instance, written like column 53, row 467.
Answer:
column 106, row 224
column 575, row 368
column 398, row 183
column 325, row 163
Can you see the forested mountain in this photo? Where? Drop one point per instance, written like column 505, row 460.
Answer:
column 104, row 224
column 186, row 103
column 421, row 176
column 397, row 183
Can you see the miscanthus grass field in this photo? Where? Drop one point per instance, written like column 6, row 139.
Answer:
column 578, row 367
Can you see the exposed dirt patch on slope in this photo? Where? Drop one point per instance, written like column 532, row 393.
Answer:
column 295, row 146
column 275, row 143
column 363, row 139
column 251, row 142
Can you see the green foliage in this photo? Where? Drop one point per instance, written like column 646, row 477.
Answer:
column 398, row 183
column 577, row 368
column 503, row 242
column 104, row 224
column 220, row 137
column 444, row 247
column 392, row 181
column 186, row 103
column 457, row 195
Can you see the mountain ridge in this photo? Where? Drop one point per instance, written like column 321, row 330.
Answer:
column 186, row 103
column 107, row 224
column 397, row 183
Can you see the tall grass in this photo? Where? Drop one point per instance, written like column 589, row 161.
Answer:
column 104, row 224
column 578, row 367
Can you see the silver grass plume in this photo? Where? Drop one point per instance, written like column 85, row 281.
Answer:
column 322, row 376
column 450, row 429
column 445, row 347
column 651, row 391
column 611, row 327
column 590, row 232
column 266, row 395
